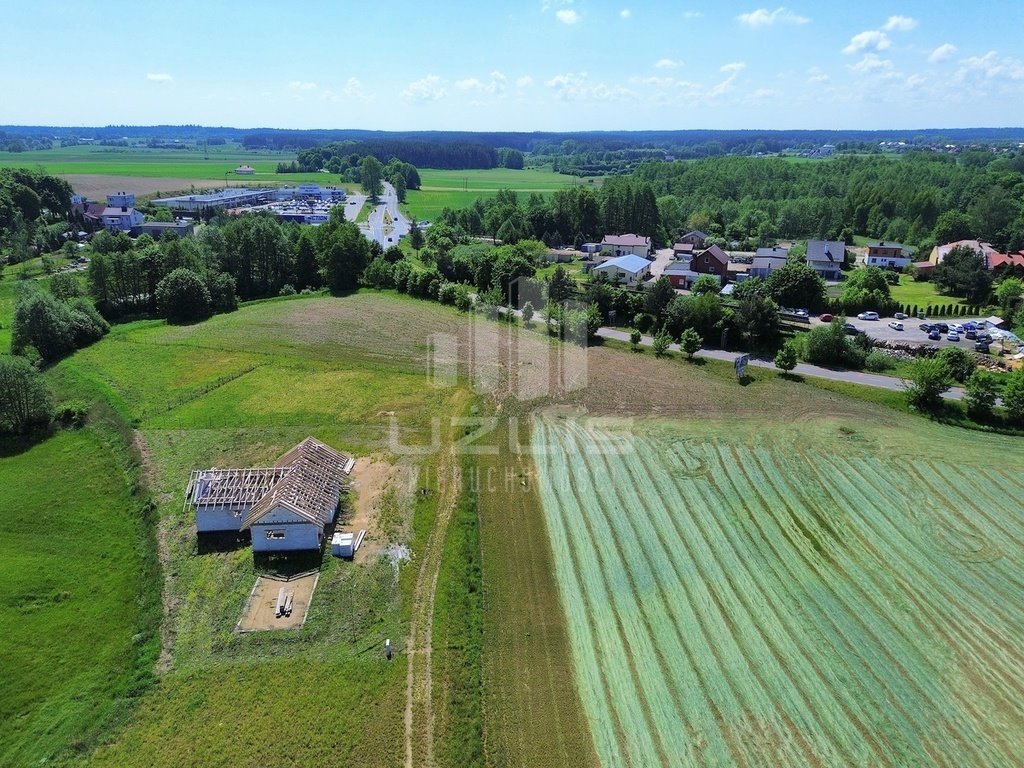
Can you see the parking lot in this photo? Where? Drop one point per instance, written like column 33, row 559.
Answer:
column 880, row 330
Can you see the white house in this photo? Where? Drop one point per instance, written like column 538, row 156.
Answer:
column 623, row 245
column 886, row 255
column 121, row 219
column 624, row 270
column 285, row 507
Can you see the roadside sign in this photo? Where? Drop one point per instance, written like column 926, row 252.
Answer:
column 741, row 365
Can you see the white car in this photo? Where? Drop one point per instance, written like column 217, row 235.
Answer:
column 896, row 325
column 867, row 316
column 956, row 327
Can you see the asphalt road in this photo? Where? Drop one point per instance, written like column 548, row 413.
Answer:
column 804, row 369
column 376, row 228
column 353, row 204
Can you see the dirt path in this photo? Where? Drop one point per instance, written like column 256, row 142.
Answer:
column 419, row 715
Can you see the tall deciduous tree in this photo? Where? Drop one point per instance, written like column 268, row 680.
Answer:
column 370, row 172
column 24, row 399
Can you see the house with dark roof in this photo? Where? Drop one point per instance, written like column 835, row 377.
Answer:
column 624, row 245
column 286, row 507
column 767, row 260
column 121, row 219
column 681, row 251
column 826, row 257
column 696, row 238
column 712, row 261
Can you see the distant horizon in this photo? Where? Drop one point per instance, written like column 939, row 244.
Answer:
column 322, row 129
column 519, row 65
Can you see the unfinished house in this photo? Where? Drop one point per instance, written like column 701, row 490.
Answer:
column 285, row 507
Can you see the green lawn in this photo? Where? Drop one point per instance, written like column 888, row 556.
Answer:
column 79, row 609
column 922, row 294
column 458, row 189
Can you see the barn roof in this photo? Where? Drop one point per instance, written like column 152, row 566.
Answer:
column 311, row 486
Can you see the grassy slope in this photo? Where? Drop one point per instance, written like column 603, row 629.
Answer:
column 73, row 572
column 239, row 389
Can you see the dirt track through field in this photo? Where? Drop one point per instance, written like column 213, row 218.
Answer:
column 419, row 715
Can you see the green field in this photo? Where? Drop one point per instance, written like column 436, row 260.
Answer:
column 81, row 603
column 457, row 189
column 820, row 594
column 912, row 292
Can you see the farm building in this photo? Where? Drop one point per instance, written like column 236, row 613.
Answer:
column 696, row 238
column 679, row 274
column 245, row 170
column 285, row 507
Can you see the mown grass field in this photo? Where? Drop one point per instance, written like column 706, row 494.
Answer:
column 80, row 600
column 457, row 189
column 819, row 593
column 923, row 294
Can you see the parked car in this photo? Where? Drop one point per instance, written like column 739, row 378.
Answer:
column 981, row 346
column 956, row 327
column 941, row 327
column 925, row 327
column 867, row 316
column 825, row 318
column 896, row 325
column 801, row 313
column 851, row 329
column 952, row 335
column 934, row 335
column 986, row 337
column 900, row 316
column 971, row 334
column 970, row 325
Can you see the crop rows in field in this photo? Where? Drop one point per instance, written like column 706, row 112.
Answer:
column 741, row 603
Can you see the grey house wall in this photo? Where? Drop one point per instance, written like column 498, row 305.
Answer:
column 210, row 519
column 295, row 533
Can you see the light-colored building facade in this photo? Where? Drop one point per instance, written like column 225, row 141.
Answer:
column 626, row 270
column 626, row 245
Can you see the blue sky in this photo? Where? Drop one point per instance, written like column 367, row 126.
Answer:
column 502, row 65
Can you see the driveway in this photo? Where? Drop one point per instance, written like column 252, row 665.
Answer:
column 662, row 258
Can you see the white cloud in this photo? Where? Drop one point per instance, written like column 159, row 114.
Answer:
column 942, row 53
column 567, row 16
column 991, row 66
column 576, row 86
column 429, row 88
column 900, row 24
column 159, row 77
column 667, row 64
column 625, row 13
column 693, row 15
column 818, row 77
column 915, row 81
column 763, row 93
column 870, row 62
column 353, row 88
column 301, row 85
column 762, row 17
column 524, row 82
column 872, row 39
column 734, row 67
column 496, row 85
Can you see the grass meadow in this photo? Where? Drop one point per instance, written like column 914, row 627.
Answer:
column 81, row 600
column 819, row 593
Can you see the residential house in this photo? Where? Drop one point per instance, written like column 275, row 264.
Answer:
column 886, row 255
column 624, row 245
column 767, row 260
column 696, row 238
column 626, row 270
column 712, row 261
column 286, row 507
column 939, row 252
column 994, row 260
column 680, row 274
column 121, row 219
column 826, row 257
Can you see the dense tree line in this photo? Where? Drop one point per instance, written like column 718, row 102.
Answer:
column 919, row 199
column 566, row 216
column 424, row 154
column 247, row 257
column 31, row 203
